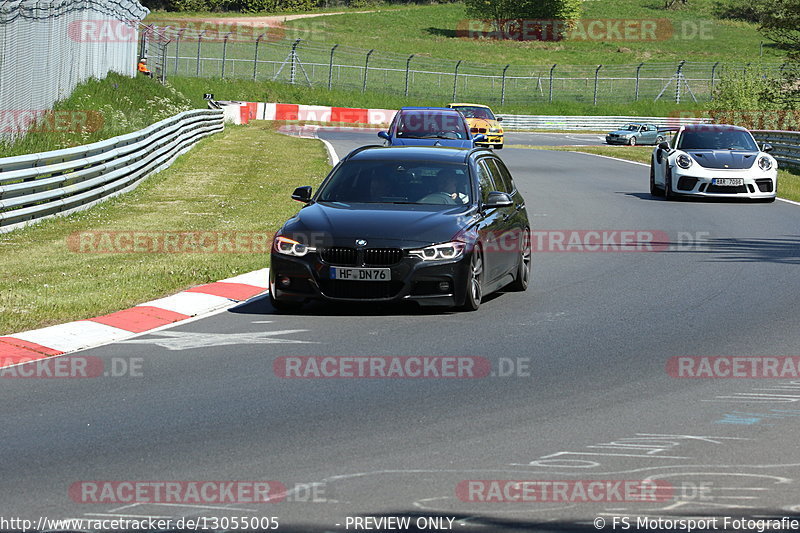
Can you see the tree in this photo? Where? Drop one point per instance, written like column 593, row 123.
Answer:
column 780, row 21
column 500, row 11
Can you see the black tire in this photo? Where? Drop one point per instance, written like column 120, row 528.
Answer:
column 283, row 306
column 668, row 194
column 474, row 288
column 632, row 141
column 498, row 147
column 523, row 276
column 659, row 140
column 655, row 190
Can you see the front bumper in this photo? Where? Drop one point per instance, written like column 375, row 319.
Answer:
column 412, row 279
column 698, row 181
column 617, row 140
column 491, row 139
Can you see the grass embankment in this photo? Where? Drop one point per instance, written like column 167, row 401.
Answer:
column 788, row 179
column 210, row 189
column 265, row 91
column 98, row 110
column 694, row 33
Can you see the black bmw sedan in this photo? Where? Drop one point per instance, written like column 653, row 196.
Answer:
column 438, row 226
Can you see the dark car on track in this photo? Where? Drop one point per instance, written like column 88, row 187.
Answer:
column 430, row 126
column 437, row 226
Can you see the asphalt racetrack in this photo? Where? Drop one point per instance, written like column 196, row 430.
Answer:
column 584, row 386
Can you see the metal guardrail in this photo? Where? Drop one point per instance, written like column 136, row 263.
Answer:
column 606, row 123
column 785, row 144
column 60, row 182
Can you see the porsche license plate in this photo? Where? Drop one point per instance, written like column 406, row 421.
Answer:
column 728, row 182
column 361, row 274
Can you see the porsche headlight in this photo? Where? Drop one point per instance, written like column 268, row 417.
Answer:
column 683, row 161
column 439, row 252
column 765, row 163
column 286, row 246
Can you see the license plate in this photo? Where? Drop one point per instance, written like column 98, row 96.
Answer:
column 361, row 274
column 728, row 182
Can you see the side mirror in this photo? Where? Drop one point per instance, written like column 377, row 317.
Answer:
column 766, row 147
column 498, row 199
column 499, row 119
column 479, row 138
column 302, row 194
column 384, row 135
column 664, row 146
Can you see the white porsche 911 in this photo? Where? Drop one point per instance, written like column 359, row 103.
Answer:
column 714, row 160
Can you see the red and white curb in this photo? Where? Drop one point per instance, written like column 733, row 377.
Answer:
column 90, row 333
column 244, row 112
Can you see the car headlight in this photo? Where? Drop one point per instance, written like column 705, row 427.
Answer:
column 439, row 252
column 684, row 161
column 765, row 163
column 286, row 246
column 495, row 130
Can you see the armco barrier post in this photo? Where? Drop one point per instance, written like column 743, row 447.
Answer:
column 199, row 41
column 255, row 56
column 330, row 68
column 366, row 69
column 596, row 73
column 637, row 81
column 455, row 79
column 408, row 66
column 225, row 51
column 503, row 86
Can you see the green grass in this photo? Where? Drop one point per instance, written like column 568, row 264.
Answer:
column 211, row 188
column 430, row 30
column 112, row 106
column 265, row 91
column 788, row 179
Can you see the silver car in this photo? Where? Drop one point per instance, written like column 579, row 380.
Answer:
column 636, row 133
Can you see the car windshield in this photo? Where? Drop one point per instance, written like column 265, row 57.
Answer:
column 476, row 112
column 631, row 127
column 431, row 124
column 398, row 182
column 716, row 139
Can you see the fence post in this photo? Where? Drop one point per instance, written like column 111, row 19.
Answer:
column 225, row 51
column 199, row 40
column 164, row 62
column 293, row 65
column 366, row 69
column 143, row 39
column 455, row 79
column 596, row 71
column 503, row 86
column 255, row 56
column 678, row 79
column 330, row 68
column 408, row 66
column 177, row 46
column 713, row 71
column 637, row 80
column 550, row 97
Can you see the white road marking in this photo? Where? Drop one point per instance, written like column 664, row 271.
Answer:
column 187, row 340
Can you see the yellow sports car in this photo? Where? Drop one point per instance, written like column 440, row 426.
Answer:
column 481, row 120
